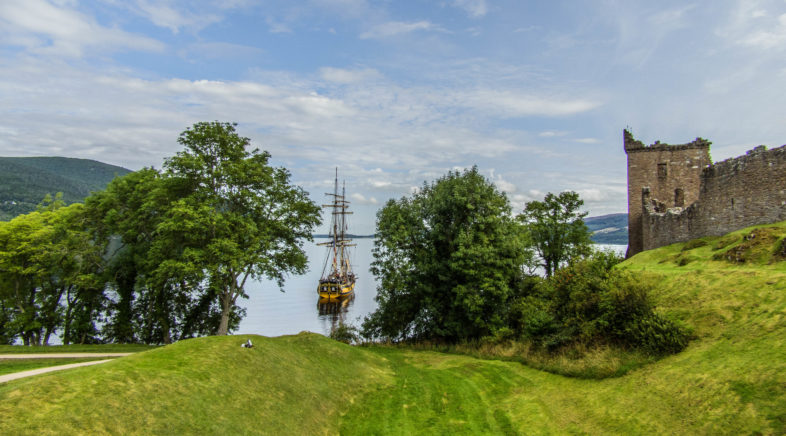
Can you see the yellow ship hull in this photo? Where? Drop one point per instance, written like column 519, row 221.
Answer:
column 330, row 290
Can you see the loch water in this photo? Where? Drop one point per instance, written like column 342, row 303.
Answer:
column 270, row 312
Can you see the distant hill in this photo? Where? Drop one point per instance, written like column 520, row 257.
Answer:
column 609, row 229
column 24, row 181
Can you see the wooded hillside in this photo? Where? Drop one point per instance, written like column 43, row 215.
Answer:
column 24, row 181
column 609, row 229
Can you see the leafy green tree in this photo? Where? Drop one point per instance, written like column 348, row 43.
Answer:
column 24, row 243
column 239, row 218
column 447, row 259
column 158, row 297
column 557, row 229
column 44, row 256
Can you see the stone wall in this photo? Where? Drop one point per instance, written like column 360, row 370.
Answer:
column 671, row 174
column 733, row 194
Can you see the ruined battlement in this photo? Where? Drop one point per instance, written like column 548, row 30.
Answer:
column 633, row 145
column 675, row 193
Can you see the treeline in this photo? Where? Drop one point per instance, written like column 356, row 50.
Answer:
column 455, row 265
column 158, row 256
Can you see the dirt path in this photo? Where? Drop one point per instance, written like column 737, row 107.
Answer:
column 22, row 374
column 59, row 355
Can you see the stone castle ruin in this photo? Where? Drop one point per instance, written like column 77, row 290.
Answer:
column 676, row 193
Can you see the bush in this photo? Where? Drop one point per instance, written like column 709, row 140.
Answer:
column 590, row 303
column 657, row 335
column 346, row 333
column 533, row 318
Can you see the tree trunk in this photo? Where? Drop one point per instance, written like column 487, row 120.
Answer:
column 67, row 320
column 226, row 306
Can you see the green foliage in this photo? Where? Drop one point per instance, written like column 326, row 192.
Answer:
column 237, row 217
column 447, row 259
column 557, row 229
column 346, row 333
column 156, row 257
column 589, row 302
column 49, row 276
column 159, row 296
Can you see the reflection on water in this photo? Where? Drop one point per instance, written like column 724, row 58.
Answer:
column 334, row 311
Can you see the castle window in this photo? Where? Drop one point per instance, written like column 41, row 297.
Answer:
column 662, row 171
column 679, row 197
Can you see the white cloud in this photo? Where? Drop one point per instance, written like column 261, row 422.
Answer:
column 551, row 134
column 277, row 27
column 393, row 28
column 164, row 14
column 774, row 37
column 588, row 140
column 474, row 8
column 219, row 50
column 514, row 104
column 752, row 25
column 344, row 76
column 46, row 28
column 361, row 199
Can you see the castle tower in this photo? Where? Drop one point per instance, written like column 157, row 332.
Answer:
column 670, row 172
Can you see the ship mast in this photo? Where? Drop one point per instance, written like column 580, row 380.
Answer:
column 340, row 267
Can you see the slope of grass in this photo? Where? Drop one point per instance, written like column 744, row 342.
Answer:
column 287, row 385
column 730, row 380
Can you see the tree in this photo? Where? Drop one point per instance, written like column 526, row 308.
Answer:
column 45, row 256
column 238, row 217
column 447, row 259
column 557, row 229
column 158, row 296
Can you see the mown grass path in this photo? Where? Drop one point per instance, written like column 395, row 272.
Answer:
column 60, row 355
column 22, row 374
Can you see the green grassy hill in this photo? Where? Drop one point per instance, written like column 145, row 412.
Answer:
column 24, row 181
column 730, row 380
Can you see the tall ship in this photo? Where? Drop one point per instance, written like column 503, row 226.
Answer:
column 338, row 279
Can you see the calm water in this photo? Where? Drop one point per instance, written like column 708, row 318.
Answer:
column 274, row 313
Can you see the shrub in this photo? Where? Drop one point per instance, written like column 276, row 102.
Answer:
column 533, row 318
column 346, row 333
column 590, row 303
column 657, row 335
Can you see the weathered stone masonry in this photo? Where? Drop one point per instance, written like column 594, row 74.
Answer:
column 676, row 193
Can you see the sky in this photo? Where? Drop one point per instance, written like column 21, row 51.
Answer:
column 397, row 93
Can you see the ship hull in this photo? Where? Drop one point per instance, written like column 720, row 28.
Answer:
column 335, row 290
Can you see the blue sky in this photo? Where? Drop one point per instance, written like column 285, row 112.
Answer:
column 535, row 93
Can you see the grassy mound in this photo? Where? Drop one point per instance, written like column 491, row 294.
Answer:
column 288, row 385
column 730, row 380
